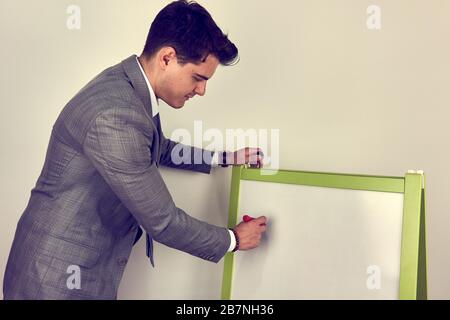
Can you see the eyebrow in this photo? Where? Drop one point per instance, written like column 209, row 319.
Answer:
column 200, row 76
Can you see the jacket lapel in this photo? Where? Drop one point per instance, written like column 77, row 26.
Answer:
column 130, row 65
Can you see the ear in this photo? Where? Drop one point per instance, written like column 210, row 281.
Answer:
column 166, row 56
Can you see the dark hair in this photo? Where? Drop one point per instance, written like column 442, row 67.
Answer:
column 190, row 30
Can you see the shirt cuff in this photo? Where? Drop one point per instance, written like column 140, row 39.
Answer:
column 215, row 159
column 232, row 242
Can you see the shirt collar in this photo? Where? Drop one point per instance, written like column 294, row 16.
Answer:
column 153, row 100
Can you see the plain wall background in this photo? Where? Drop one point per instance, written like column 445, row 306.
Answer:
column 345, row 99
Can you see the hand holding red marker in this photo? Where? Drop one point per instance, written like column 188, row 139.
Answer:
column 248, row 232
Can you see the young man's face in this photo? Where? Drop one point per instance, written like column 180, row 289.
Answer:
column 182, row 82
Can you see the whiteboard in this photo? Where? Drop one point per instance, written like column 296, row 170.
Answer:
column 321, row 243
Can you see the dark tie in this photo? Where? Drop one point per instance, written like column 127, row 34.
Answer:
column 148, row 244
column 157, row 121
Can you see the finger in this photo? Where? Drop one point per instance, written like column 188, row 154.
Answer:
column 253, row 159
column 256, row 151
column 261, row 163
column 261, row 220
column 256, row 157
column 257, row 165
column 259, row 160
column 240, row 157
column 260, row 152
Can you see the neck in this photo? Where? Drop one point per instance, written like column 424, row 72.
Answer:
column 150, row 73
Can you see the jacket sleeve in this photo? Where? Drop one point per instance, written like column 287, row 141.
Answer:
column 118, row 145
column 180, row 156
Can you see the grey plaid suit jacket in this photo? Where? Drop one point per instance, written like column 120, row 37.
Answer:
column 99, row 183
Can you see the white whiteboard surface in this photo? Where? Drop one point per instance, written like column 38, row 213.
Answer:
column 320, row 243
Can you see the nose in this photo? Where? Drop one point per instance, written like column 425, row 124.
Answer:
column 201, row 88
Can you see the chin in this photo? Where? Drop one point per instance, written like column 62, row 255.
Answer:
column 176, row 106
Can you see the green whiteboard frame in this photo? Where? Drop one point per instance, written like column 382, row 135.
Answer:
column 413, row 260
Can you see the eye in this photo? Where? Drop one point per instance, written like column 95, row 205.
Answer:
column 197, row 79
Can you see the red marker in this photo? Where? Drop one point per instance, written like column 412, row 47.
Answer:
column 247, row 218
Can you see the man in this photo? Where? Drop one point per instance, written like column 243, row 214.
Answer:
column 100, row 183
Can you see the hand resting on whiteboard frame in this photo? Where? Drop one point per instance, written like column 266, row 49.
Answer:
column 253, row 157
